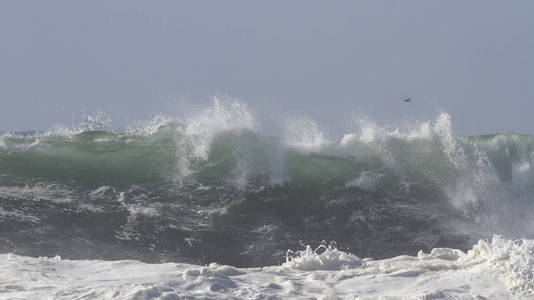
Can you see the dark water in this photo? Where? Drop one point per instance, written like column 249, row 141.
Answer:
column 232, row 195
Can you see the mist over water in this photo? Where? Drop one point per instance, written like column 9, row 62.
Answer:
column 214, row 186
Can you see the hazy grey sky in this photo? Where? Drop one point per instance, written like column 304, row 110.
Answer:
column 320, row 59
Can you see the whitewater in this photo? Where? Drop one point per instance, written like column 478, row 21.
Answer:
column 210, row 206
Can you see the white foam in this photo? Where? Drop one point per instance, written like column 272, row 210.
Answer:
column 500, row 269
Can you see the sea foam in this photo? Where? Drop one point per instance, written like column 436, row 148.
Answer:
column 498, row 269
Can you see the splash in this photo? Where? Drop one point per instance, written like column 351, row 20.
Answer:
column 323, row 257
column 381, row 190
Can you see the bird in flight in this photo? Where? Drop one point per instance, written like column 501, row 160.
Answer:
column 407, row 99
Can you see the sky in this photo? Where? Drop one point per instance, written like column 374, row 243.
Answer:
column 323, row 60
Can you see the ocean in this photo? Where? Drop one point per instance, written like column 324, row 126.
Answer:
column 210, row 206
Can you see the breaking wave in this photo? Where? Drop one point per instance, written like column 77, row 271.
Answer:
column 213, row 186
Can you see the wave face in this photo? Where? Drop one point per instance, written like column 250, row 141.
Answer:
column 212, row 187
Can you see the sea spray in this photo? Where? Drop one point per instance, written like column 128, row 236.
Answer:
column 200, row 188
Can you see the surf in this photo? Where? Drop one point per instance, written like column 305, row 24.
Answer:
column 213, row 187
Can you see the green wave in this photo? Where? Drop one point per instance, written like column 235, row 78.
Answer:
column 160, row 158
